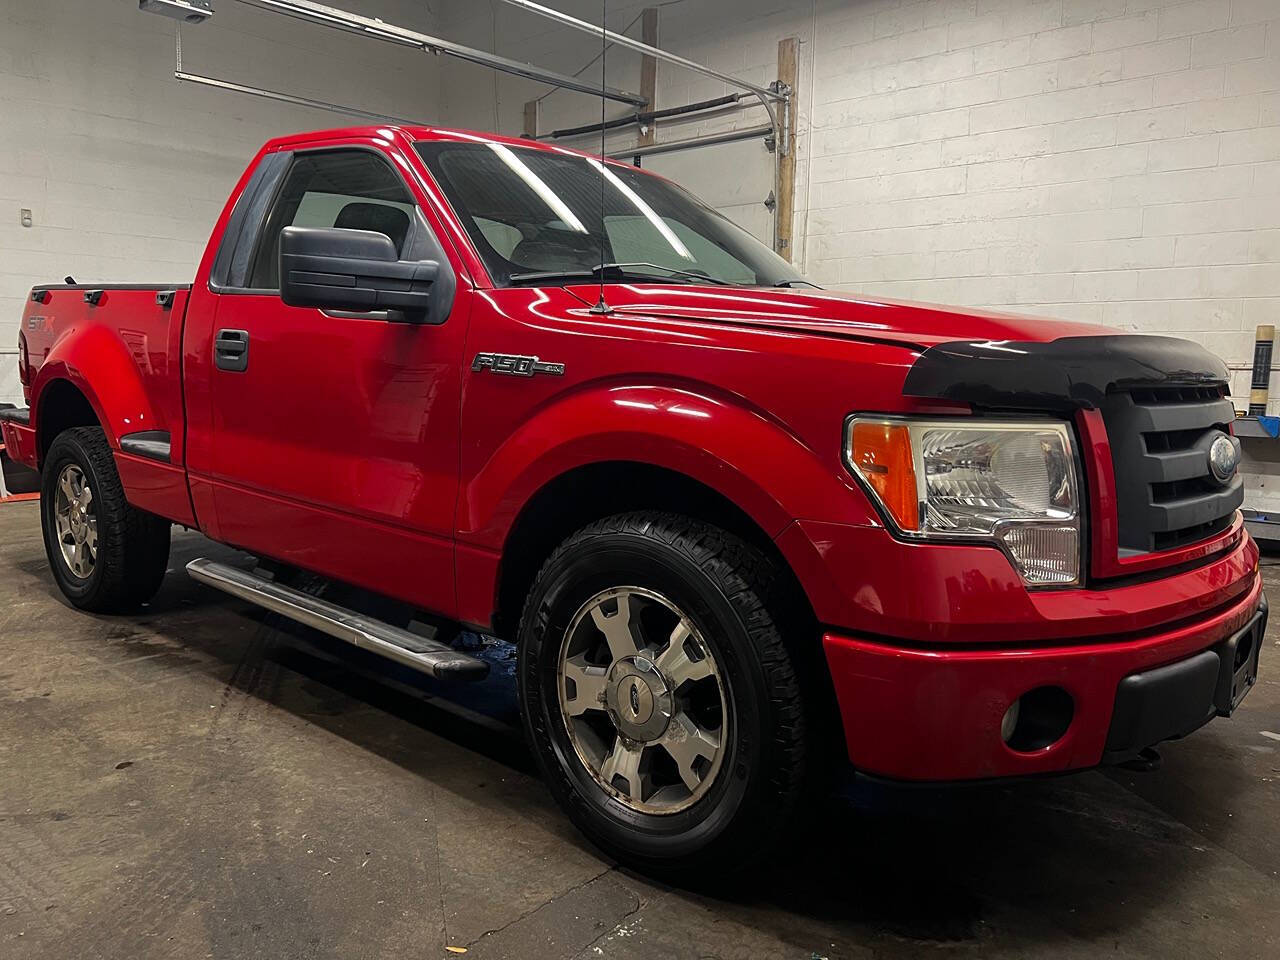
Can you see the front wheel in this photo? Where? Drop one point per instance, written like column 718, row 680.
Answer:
column 105, row 554
column 659, row 694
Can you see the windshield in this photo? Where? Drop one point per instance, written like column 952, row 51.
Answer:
column 535, row 217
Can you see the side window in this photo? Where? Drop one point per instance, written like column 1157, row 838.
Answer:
column 340, row 188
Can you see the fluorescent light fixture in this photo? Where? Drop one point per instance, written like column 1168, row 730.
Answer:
column 649, row 214
column 188, row 11
column 537, row 185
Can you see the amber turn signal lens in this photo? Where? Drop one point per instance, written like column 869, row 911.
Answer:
column 881, row 453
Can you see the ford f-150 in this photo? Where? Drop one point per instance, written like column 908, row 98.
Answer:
column 739, row 527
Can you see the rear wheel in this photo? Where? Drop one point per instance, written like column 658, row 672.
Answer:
column 105, row 554
column 658, row 692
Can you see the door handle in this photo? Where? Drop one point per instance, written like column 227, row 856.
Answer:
column 231, row 350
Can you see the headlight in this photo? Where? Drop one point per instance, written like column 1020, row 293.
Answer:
column 1009, row 482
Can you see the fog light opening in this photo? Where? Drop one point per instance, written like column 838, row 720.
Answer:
column 1037, row 719
column 1010, row 721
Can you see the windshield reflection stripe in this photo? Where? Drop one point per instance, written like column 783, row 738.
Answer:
column 658, row 224
column 537, row 185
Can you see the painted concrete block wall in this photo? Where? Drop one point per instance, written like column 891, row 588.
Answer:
column 1114, row 161
column 125, row 169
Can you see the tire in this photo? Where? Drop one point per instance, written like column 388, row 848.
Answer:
column 732, row 603
column 125, row 568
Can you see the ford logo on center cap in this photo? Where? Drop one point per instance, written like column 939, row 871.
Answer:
column 1224, row 457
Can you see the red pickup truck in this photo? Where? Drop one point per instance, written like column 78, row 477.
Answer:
column 740, row 527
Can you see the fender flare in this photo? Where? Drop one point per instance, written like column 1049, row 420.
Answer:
column 742, row 453
column 96, row 355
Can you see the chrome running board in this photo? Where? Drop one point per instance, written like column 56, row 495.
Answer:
column 426, row 656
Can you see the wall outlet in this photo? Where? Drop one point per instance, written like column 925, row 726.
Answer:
column 25, row 216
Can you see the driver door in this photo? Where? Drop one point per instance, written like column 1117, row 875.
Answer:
column 335, row 435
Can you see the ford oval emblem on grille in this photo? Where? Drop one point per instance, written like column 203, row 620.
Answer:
column 1224, row 457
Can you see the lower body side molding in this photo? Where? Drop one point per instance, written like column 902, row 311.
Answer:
column 426, row 656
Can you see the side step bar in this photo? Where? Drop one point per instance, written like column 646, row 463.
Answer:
column 426, row 656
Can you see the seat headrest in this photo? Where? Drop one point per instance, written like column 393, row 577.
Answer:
column 377, row 217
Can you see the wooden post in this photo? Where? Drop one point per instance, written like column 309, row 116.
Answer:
column 649, row 70
column 788, row 74
column 532, row 113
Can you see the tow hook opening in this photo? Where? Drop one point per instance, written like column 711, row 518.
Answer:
column 1244, row 650
column 1038, row 719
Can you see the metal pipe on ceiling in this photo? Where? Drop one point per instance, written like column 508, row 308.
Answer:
column 707, row 140
column 769, row 97
column 646, row 117
column 323, row 15
column 379, row 30
column 639, row 46
column 288, row 98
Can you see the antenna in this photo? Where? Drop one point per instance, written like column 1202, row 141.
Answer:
column 601, row 306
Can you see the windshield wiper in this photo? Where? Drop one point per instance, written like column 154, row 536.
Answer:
column 796, row 283
column 693, row 276
column 620, row 268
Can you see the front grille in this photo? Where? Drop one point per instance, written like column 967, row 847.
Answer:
column 1166, row 496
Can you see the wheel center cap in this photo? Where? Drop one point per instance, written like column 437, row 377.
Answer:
column 638, row 699
column 635, row 700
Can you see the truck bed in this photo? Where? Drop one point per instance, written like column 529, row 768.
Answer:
column 131, row 334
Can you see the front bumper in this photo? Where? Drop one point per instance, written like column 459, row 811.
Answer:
column 935, row 713
column 1168, row 702
column 864, row 582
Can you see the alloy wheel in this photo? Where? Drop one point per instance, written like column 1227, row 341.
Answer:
column 76, row 521
column 643, row 700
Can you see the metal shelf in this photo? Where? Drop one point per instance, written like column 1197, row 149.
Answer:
column 1261, row 526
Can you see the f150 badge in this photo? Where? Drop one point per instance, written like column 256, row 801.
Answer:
column 512, row 365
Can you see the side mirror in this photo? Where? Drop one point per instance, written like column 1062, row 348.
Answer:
column 338, row 269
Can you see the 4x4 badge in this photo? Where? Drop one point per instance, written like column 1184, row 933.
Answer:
column 512, row 365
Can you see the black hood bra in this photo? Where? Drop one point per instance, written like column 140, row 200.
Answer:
column 1059, row 375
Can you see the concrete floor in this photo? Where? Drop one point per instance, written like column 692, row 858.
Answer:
column 204, row 779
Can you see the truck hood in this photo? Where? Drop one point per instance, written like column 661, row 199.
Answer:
column 981, row 357
column 830, row 313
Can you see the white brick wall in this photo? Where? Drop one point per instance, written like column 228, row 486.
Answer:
column 1116, row 161
column 124, row 168
column 1121, row 160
